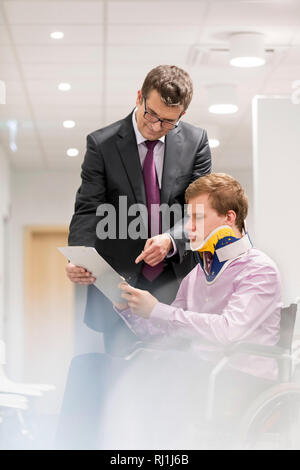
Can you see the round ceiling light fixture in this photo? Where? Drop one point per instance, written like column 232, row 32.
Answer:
column 222, row 99
column 247, row 50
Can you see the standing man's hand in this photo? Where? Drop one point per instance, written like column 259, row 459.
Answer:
column 155, row 249
column 79, row 275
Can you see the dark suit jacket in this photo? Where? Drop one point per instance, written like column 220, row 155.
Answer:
column 112, row 168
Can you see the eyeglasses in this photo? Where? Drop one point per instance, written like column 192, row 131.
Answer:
column 151, row 118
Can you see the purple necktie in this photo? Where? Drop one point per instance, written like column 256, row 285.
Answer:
column 152, row 197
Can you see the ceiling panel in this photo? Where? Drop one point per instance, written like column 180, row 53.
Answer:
column 52, row 145
column 254, row 14
column 51, row 12
column 18, row 112
column 27, row 145
column 152, row 34
column 28, row 159
column 62, row 72
column 58, row 151
column 119, row 57
column 66, row 100
column 292, row 56
column 220, row 34
column 6, row 55
column 54, row 131
column 59, row 54
column 283, row 86
column 56, row 155
column 4, row 39
column 296, row 38
column 9, row 72
column 54, row 112
column 44, row 87
column 121, row 99
column 36, row 34
column 291, row 72
column 149, row 12
column 65, row 164
column 16, row 99
column 114, row 113
column 14, row 87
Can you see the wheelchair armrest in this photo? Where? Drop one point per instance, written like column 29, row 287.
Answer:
column 257, row 349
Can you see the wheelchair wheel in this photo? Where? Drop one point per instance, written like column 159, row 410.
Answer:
column 273, row 420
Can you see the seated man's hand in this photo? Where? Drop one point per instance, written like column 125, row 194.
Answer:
column 79, row 275
column 155, row 249
column 141, row 302
column 120, row 306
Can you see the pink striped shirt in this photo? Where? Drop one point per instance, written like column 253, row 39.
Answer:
column 243, row 304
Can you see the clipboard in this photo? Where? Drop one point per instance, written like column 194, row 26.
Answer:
column 107, row 279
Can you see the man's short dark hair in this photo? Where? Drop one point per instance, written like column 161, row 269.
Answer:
column 172, row 83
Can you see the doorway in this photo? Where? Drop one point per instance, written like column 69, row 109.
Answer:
column 48, row 313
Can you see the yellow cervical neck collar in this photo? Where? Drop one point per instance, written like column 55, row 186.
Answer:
column 212, row 239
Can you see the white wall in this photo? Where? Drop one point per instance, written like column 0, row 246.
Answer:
column 245, row 177
column 37, row 197
column 4, row 211
column 276, row 142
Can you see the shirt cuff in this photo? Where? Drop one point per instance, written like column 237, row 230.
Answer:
column 126, row 315
column 162, row 312
column 174, row 251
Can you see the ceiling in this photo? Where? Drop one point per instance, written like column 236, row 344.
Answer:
column 108, row 48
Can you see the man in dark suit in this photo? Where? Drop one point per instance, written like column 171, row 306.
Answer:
column 150, row 157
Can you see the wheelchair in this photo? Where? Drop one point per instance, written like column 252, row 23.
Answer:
column 183, row 412
column 272, row 420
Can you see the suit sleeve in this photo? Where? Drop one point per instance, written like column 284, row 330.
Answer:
column 91, row 193
column 202, row 166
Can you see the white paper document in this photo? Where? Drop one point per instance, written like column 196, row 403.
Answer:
column 107, row 279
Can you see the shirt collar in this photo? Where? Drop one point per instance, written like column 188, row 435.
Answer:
column 139, row 137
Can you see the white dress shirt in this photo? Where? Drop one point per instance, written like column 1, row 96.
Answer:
column 158, row 155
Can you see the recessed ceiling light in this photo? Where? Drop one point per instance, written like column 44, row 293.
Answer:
column 247, row 50
column 57, row 35
column 213, row 143
column 72, row 152
column 69, row 124
column 64, row 86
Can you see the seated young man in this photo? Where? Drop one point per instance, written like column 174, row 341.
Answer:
column 233, row 294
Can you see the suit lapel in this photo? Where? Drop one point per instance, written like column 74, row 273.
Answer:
column 173, row 150
column 130, row 157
